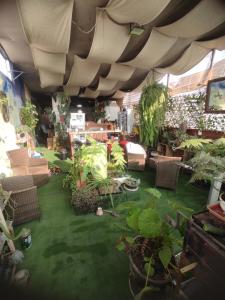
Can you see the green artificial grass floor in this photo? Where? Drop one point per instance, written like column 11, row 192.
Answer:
column 74, row 257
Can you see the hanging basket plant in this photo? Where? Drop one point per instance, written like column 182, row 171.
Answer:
column 152, row 108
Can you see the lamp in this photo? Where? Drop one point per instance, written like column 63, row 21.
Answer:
column 136, row 29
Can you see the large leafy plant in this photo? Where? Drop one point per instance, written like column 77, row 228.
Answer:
column 152, row 108
column 74, row 176
column 147, row 235
column 207, row 167
column 29, row 115
column 116, row 161
column 94, row 158
column 194, row 144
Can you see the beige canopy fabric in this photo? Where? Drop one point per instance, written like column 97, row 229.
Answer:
column 71, row 90
column 151, row 77
column 110, row 39
column 47, row 26
column 90, row 93
column 135, row 11
column 100, row 53
column 203, row 18
column 193, row 55
column 83, row 72
column 218, row 43
column 52, row 62
column 118, row 95
column 120, row 72
column 154, row 50
column 106, row 84
column 48, row 78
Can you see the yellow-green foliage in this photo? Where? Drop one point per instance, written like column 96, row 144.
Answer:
column 29, row 115
column 152, row 110
column 194, row 144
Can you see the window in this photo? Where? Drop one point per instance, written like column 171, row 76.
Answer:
column 5, row 67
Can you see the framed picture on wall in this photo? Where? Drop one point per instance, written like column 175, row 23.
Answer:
column 215, row 96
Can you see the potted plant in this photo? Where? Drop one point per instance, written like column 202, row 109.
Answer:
column 152, row 110
column 28, row 115
column 116, row 161
column 149, row 243
column 209, row 168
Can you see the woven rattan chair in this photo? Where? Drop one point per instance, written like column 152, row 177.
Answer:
column 24, row 198
column 167, row 172
column 22, row 164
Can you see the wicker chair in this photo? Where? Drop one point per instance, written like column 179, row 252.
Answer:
column 167, row 172
column 152, row 161
column 24, row 198
column 22, row 164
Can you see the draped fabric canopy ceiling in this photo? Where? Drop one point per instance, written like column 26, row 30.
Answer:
column 85, row 46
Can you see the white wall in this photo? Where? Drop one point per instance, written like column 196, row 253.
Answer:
column 7, row 129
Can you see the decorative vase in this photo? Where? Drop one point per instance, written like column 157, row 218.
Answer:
column 215, row 189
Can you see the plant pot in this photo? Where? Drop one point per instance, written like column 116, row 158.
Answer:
column 140, row 277
column 215, row 190
column 63, row 154
column 222, row 201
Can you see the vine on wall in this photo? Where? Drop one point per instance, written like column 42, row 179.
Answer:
column 190, row 110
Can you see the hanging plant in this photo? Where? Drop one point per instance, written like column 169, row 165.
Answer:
column 152, row 107
column 4, row 106
column 28, row 115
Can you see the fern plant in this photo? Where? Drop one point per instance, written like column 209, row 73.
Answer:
column 152, row 108
column 194, row 144
column 207, row 167
column 116, row 161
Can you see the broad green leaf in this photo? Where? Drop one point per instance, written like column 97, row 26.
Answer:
column 220, row 141
column 149, row 223
column 149, row 269
column 129, row 239
column 126, row 205
column 154, row 192
column 120, row 246
column 132, row 220
column 165, row 255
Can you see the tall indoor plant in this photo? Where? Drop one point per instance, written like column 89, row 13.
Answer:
column 152, row 109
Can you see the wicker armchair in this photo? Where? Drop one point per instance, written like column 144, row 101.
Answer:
column 22, row 164
column 167, row 172
column 24, row 198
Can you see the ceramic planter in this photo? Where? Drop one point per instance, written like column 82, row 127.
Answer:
column 215, row 189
